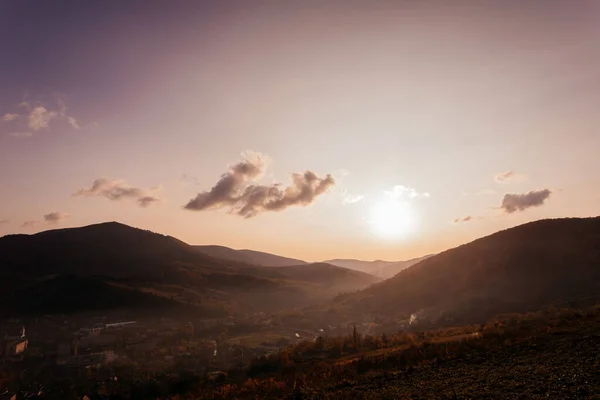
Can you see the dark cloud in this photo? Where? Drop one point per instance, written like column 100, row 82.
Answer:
column 464, row 219
column 520, row 202
column 55, row 217
column 116, row 190
column 509, row 176
column 236, row 190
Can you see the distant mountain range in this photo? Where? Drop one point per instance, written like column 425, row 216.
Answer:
column 123, row 266
column 547, row 262
column 380, row 269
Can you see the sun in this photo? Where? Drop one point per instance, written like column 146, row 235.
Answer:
column 392, row 218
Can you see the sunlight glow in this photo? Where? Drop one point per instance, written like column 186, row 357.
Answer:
column 392, row 218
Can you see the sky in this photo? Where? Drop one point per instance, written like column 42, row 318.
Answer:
column 317, row 130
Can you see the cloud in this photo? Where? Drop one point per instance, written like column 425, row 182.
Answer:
column 464, row 219
column 400, row 192
column 147, row 200
column 29, row 224
column 509, row 176
column 55, row 217
column 520, row 202
column 350, row 199
column 114, row 189
column 9, row 117
column 35, row 117
column 189, row 179
column 4, row 221
column 73, row 122
column 236, row 190
column 39, row 118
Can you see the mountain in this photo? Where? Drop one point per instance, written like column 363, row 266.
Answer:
column 111, row 249
column 392, row 269
column 379, row 268
column 126, row 266
column 270, row 260
column 358, row 265
column 330, row 276
column 223, row 253
column 536, row 264
column 248, row 256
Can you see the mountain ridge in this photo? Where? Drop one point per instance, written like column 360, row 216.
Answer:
column 248, row 256
column 540, row 262
column 132, row 259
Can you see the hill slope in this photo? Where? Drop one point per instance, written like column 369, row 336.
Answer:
column 392, row 269
column 534, row 264
column 379, row 268
column 369, row 267
column 112, row 258
column 270, row 260
column 248, row 256
column 223, row 253
column 331, row 276
column 111, row 249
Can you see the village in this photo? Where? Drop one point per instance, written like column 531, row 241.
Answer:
column 108, row 349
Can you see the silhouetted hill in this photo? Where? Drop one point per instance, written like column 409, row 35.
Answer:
column 538, row 263
column 111, row 249
column 379, row 268
column 248, row 256
column 223, row 252
column 270, row 260
column 343, row 279
column 359, row 265
column 119, row 259
column 391, row 270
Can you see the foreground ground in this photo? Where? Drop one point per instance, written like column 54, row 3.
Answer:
column 550, row 355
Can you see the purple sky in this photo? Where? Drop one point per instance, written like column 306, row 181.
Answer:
column 481, row 114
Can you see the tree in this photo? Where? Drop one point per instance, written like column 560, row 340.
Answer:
column 385, row 340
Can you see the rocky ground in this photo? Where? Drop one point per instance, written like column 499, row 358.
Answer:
column 565, row 365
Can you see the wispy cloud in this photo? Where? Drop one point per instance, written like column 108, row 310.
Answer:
column 73, row 122
column 236, row 189
column 521, row 202
column 4, row 221
column 351, row 199
column 189, row 179
column 38, row 116
column 404, row 192
column 9, row 117
column 463, row 219
column 29, row 224
column 115, row 189
column 509, row 176
column 147, row 200
column 55, row 217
